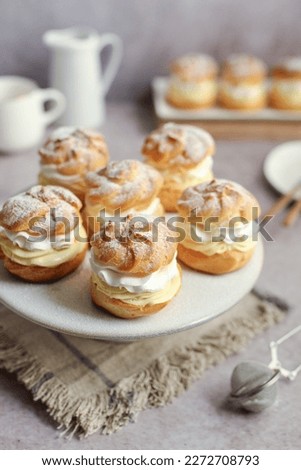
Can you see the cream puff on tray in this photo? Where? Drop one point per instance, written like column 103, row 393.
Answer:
column 193, row 82
column 68, row 154
column 217, row 114
column 134, row 267
column 286, row 84
column 243, row 83
column 41, row 234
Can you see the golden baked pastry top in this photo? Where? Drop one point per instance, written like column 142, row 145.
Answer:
column 39, row 207
column 219, row 198
column 135, row 246
column 177, row 145
column 243, row 66
column 123, row 184
column 74, row 151
column 288, row 67
column 194, row 67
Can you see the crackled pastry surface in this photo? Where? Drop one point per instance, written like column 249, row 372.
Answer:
column 176, row 145
column 68, row 154
column 123, row 185
column 183, row 155
column 219, row 198
column 41, row 233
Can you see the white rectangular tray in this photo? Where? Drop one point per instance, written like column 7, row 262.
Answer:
column 165, row 112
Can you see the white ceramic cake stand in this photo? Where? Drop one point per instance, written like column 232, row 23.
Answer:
column 66, row 305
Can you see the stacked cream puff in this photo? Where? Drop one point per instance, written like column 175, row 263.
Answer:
column 219, row 225
column 243, row 83
column 126, row 186
column 134, row 267
column 183, row 155
column 68, row 155
column 41, row 234
column 193, row 82
column 286, row 84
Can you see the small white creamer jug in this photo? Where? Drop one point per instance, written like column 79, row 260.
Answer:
column 75, row 70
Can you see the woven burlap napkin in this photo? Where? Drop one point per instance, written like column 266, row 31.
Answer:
column 89, row 385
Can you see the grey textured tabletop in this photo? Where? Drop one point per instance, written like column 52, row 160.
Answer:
column 197, row 419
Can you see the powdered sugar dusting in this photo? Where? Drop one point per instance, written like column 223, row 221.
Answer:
column 74, row 151
column 292, row 64
column 50, row 194
column 19, row 207
column 123, row 183
column 134, row 246
column 215, row 198
column 194, row 66
column 176, row 144
column 243, row 65
column 32, row 208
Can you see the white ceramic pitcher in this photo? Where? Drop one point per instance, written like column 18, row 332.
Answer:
column 75, row 70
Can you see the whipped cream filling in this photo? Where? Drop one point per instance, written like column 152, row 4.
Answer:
column 242, row 92
column 198, row 172
column 205, row 87
column 28, row 242
column 228, row 235
column 46, row 258
column 141, row 299
column 291, row 89
column 214, row 248
column 153, row 282
column 241, row 237
column 151, row 209
column 292, row 64
column 50, row 172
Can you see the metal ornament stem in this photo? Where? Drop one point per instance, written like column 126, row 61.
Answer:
column 275, row 362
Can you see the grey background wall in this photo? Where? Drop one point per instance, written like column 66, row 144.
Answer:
column 153, row 32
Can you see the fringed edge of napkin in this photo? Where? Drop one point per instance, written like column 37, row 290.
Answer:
column 163, row 380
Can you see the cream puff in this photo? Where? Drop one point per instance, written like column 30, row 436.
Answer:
column 126, row 186
column 134, row 267
column 285, row 92
column 243, row 83
column 183, row 155
column 41, row 234
column 219, row 225
column 193, row 82
column 70, row 153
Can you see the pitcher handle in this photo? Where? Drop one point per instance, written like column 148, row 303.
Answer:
column 115, row 42
column 57, row 101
